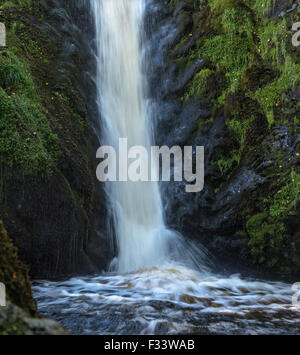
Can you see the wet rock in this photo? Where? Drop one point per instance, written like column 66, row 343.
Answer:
column 14, row 321
column 19, row 316
column 59, row 222
column 216, row 216
column 177, row 123
column 281, row 7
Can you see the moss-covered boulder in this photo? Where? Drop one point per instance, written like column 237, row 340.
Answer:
column 14, row 275
column 14, row 321
column 19, row 316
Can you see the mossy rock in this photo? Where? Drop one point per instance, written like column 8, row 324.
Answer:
column 14, row 321
column 219, row 6
column 14, row 275
column 267, row 241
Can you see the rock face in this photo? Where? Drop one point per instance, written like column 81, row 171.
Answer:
column 56, row 218
column 19, row 316
column 14, row 275
column 14, row 321
column 243, row 108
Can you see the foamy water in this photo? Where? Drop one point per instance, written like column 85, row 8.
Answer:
column 169, row 300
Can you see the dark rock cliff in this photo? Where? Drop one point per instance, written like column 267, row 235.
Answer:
column 54, row 211
column 226, row 76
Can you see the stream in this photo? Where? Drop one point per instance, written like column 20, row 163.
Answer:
column 169, row 300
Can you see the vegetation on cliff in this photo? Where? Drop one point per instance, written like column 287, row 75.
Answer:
column 46, row 161
column 251, row 77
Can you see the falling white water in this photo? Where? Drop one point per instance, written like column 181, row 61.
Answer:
column 136, row 206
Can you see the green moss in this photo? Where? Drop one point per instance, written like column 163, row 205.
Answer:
column 198, row 85
column 219, row 6
column 14, row 275
column 272, row 40
column 239, row 38
column 18, row 3
column 26, row 138
column 239, row 128
column 229, row 50
column 268, row 231
column 231, row 159
column 261, row 7
column 11, row 327
column 232, row 49
column 267, row 236
column 228, row 162
column 286, row 199
column 270, row 96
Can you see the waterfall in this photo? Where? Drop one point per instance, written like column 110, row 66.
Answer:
column 136, row 206
column 152, row 300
